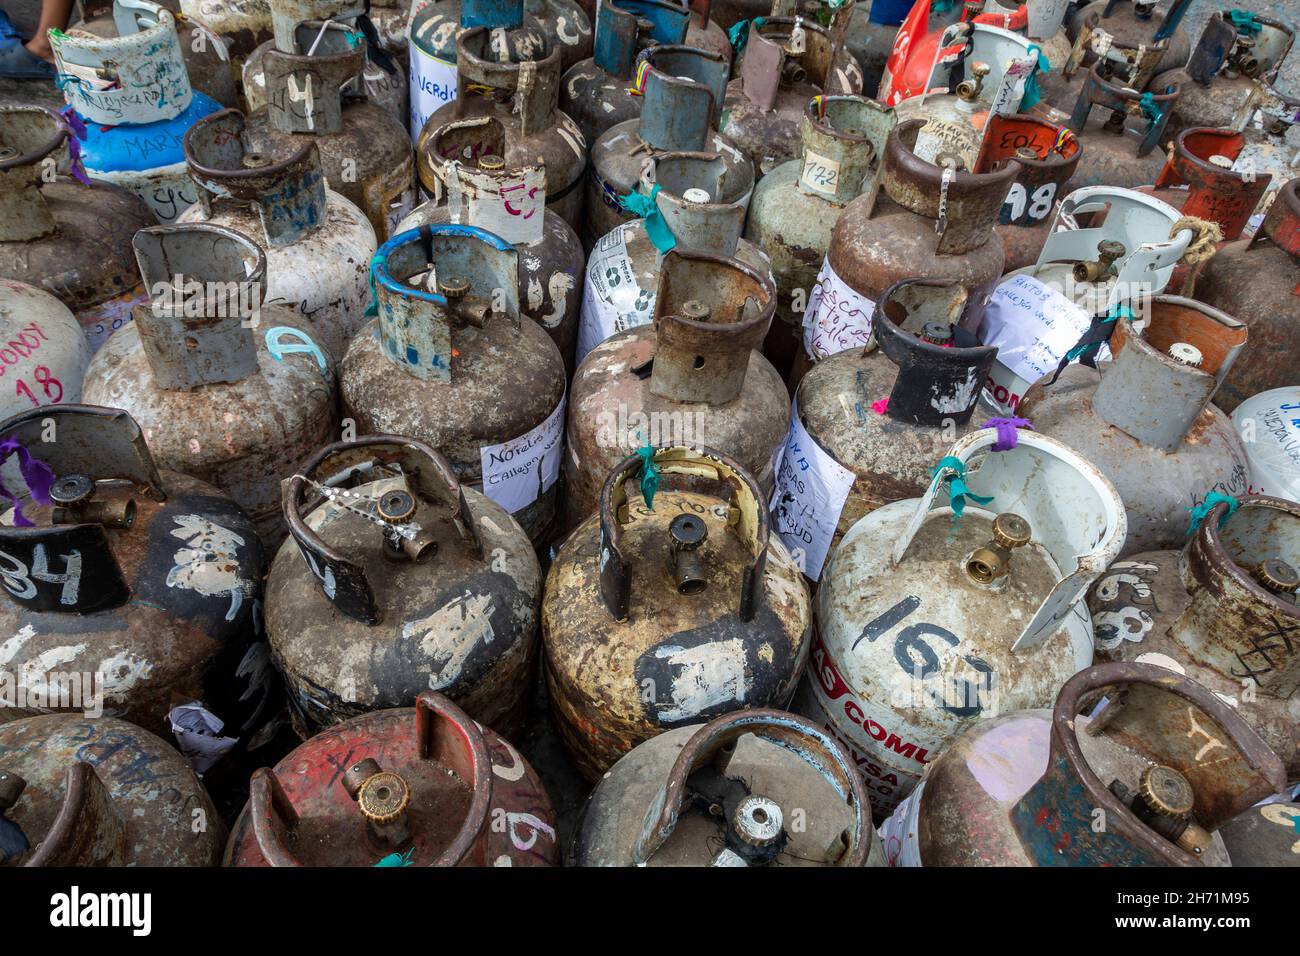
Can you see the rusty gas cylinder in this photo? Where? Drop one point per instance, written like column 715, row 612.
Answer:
column 1264, row 835
column 934, row 221
column 141, row 584
column 133, row 96
column 691, row 201
column 1061, row 308
column 1047, row 155
column 869, row 423
column 460, row 369
column 786, row 62
column 729, row 793
column 1201, row 179
column 1269, row 425
column 977, row 591
column 1126, row 740
column 988, row 78
column 381, row 77
column 1120, row 129
column 795, row 206
column 227, row 388
column 317, row 243
column 364, row 151
column 683, row 90
column 241, row 23
column 669, row 607
column 510, row 202
column 1128, row 40
column 43, row 349
column 207, row 61
column 78, row 791
column 413, row 786
column 602, row 92
column 399, row 579
column 1258, row 279
column 522, row 95
column 1218, row 610
column 1146, row 419
column 1237, row 56
column 693, row 376
column 70, row 238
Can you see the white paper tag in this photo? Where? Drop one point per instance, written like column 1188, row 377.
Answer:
column 811, row 488
column 1032, row 325
column 1011, row 88
column 1269, row 426
column 837, row 318
column 518, row 471
column 820, row 174
column 433, row 83
column 612, row 298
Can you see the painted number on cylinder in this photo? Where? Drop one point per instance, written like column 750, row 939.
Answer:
column 1039, row 204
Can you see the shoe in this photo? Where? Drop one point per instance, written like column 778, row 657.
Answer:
column 20, row 63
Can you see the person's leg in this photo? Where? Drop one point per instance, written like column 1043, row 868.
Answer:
column 55, row 15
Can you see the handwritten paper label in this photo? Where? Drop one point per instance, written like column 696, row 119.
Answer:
column 820, row 174
column 519, row 471
column 1033, row 326
column 1269, row 426
column 433, row 83
column 837, row 317
column 811, row 488
column 1011, row 88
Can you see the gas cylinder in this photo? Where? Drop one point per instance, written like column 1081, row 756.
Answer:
column 382, row 75
column 207, row 61
column 364, row 151
column 693, row 203
column 460, row 369
column 795, row 206
column 1060, row 309
column 978, row 591
column 683, row 90
column 601, row 92
column 1128, row 40
column 989, row 77
column 45, row 352
column 1042, row 21
column 243, row 24
column 1239, row 54
column 68, row 237
column 728, row 793
column 133, row 96
column 1264, row 835
column 870, row 37
column 1269, row 425
column 532, row 29
column 228, row 388
column 1119, row 150
column 670, row 607
column 704, row 31
column 78, row 791
column 510, row 202
column 400, row 579
column 937, row 222
column 130, row 590
column 786, row 62
column 317, row 243
column 1123, row 740
column 1258, row 279
column 1218, row 609
column 522, row 94
column 869, row 423
column 692, row 376
column 413, row 786
column 1146, row 421
column 1047, row 155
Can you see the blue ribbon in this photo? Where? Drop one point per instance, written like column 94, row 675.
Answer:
column 372, row 310
column 398, row 859
column 1032, row 93
column 958, row 490
column 649, row 474
column 1200, row 512
column 639, row 204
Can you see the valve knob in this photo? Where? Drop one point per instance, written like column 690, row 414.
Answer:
column 383, row 798
column 1011, row 531
column 758, row 821
column 396, row 506
column 1166, row 791
column 1278, row 576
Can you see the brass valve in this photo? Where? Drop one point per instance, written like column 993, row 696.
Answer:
column 1108, row 250
column 969, row 90
column 993, row 561
column 467, row 309
column 75, row 503
column 383, row 797
column 398, row 507
column 491, row 161
column 688, row 532
column 1277, row 577
column 1164, row 802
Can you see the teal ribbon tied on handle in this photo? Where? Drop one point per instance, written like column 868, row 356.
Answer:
column 639, row 204
column 1032, row 93
column 958, row 491
column 1201, row 511
column 1244, row 21
column 398, row 859
column 372, row 310
column 1147, row 103
column 739, row 32
column 649, row 474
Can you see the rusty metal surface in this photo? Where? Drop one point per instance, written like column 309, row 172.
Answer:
column 1264, row 836
column 117, row 794
column 463, row 780
column 705, row 653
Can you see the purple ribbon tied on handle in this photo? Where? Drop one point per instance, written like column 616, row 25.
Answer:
column 38, row 475
column 1007, row 431
column 77, row 129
